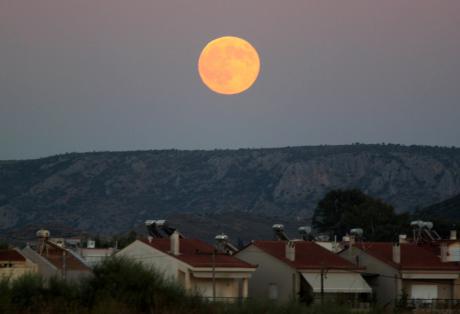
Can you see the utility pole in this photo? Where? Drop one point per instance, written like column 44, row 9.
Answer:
column 214, row 275
column 322, row 285
column 323, row 275
column 64, row 264
column 213, row 270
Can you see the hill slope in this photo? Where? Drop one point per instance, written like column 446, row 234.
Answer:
column 114, row 191
column 445, row 210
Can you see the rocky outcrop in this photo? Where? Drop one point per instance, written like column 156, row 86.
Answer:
column 109, row 192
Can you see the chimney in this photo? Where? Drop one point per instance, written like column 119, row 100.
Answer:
column 397, row 253
column 453, row 234
column 174, row 239
column 290, row 250
column 444, row 253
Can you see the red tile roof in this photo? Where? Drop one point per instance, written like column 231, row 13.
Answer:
column 308, row 255
column 11, row 256
column 54, row 254
column 197, row 253
column 413, row 256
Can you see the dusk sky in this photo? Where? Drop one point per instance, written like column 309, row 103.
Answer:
column 97, row 75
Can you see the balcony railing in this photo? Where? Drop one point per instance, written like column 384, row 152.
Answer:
column 225, row 299
column 433, row 303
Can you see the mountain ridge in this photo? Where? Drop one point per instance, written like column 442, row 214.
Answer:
column 114, row 191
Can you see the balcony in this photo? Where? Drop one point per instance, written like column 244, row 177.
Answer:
column 433, row 304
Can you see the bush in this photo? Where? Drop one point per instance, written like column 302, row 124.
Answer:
column 5, row 295
column 27, row 291
column 122, row 286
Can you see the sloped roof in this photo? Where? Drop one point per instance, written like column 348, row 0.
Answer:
column 11, row 255
column 55, row 255
column 413, row 256
column 308, row 255
column 197, row 253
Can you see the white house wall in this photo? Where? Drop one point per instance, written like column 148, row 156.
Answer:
column 388, row 287
column 165, row 264
column 48, row 270
column 270, row 270
column 45, row 268
column 225, row 288
column 170, row 268
column 18, row 269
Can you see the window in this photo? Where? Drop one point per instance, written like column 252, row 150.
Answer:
column 454, row 253
column 424, row 292
column 273, row 291
column 6, row 265
column 181, row 277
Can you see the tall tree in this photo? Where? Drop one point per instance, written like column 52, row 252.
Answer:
column 341, row 210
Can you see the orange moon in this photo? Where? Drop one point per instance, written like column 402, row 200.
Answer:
column 229, row 65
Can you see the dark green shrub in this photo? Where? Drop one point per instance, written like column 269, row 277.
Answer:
column 27, row 290
column 121, row 286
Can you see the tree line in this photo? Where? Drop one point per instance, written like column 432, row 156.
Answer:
column 342, row 210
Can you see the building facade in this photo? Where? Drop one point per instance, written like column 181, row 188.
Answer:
column 302, row 270
column 417, row 274
column 53, row 260
column 13, row 264
column 195, row 265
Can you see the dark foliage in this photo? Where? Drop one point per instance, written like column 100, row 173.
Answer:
column 341, row 210
column 124, row 287
column 111, row 192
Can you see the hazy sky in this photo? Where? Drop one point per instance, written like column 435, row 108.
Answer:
column 84, row 75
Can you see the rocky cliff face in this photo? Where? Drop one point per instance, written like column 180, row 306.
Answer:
column 110, row 192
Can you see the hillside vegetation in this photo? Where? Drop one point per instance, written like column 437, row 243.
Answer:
column 447, row 210
column 110, row 192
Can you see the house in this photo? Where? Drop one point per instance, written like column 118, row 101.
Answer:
column 419, row 273
column 66, row 242
column 89, row 254
column 13, row 264
column 55, row 260
column 302, row 270
column 332, row 246
column 93, row 256
column 195, row 265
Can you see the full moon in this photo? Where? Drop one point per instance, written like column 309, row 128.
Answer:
column 229, row 65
